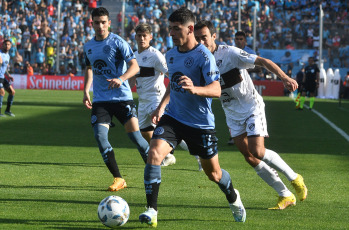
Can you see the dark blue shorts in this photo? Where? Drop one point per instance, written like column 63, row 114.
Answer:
column 103, row 112
column 4, row 83
column 202, row 142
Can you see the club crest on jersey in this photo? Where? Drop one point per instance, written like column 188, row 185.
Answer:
column 171, row 60
column 244, row 53
column 251, row 126
column 188, row 62
column 89, row 51
column 219, row 63
column 106, row 49
column 144, row 59
column 159, row 131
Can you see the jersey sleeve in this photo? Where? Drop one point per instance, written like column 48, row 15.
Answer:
column 245, row 60
column 125, row 50
column 210, row 70
column 160, row 63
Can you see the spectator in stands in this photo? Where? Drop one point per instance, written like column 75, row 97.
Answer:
column 40, row 58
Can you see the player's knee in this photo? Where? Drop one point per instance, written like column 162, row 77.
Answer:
column 214, row 176
column 154, row 156
column 101, row 135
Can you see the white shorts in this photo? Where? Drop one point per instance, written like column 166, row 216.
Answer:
column 144, row 114
column 254, row 125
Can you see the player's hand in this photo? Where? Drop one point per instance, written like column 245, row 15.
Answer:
column 187, row 84
column 114, row 83
column 11, row 78
column 87, row 101
column 156, row 116
column 290, row 84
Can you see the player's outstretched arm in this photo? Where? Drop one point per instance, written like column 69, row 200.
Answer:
column 87, row 85
column 132, row 70
column 289, row 83
column 210, row 90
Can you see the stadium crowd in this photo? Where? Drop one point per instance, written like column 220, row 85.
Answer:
column 33, row 27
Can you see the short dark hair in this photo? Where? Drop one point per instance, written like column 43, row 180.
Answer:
column 144, row 27
column 100, row 11
column 204, row 23
column 7, row 40
column 182, row 15
column 240, row 33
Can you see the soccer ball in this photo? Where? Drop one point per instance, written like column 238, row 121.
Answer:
column 113, row 211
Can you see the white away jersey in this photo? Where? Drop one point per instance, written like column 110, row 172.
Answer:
column 150, row 82
column 239, row 97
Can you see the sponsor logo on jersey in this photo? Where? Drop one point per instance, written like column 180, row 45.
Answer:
column 159, row 131
column 100, row 67
column 171, row 60
column 212, row 73
column 204, row 55
column 89, row 51
column 188, row 62
column 174, row 82
column 144, row 59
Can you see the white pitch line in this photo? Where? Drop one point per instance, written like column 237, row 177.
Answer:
column 340, row 131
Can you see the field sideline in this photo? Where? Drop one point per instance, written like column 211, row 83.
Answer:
column 53, row 177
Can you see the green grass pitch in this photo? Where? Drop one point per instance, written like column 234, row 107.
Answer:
column 53, row 177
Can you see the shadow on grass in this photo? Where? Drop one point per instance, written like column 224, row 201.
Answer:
column 68, row 124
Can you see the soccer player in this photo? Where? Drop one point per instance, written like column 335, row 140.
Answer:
column 188, row 116
column 4, row 82
column 311, row 82
column 245, row 115
column 106, row 57
column 150, row 84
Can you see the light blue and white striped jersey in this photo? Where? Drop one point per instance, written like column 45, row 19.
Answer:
column 108, row 59
column 200, row 66
column 5, row 61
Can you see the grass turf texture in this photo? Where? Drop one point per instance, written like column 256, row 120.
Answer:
column 52, row 175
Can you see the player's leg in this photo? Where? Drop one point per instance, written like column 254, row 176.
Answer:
column 163, row 141
column 125, row 112
column 302, row 99
column 204, row 142
column 222, row 178
column 100, row 120
column 11, row 94
column 2, row 94
column 311, row 99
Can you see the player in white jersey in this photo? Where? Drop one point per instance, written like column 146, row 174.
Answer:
column 150, row 84
column 5, row 83
column 245, row 114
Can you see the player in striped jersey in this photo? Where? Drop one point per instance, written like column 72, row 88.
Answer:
column 245, row 114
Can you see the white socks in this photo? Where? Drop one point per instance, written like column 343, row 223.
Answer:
column 273, row 159
column 271, row 177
